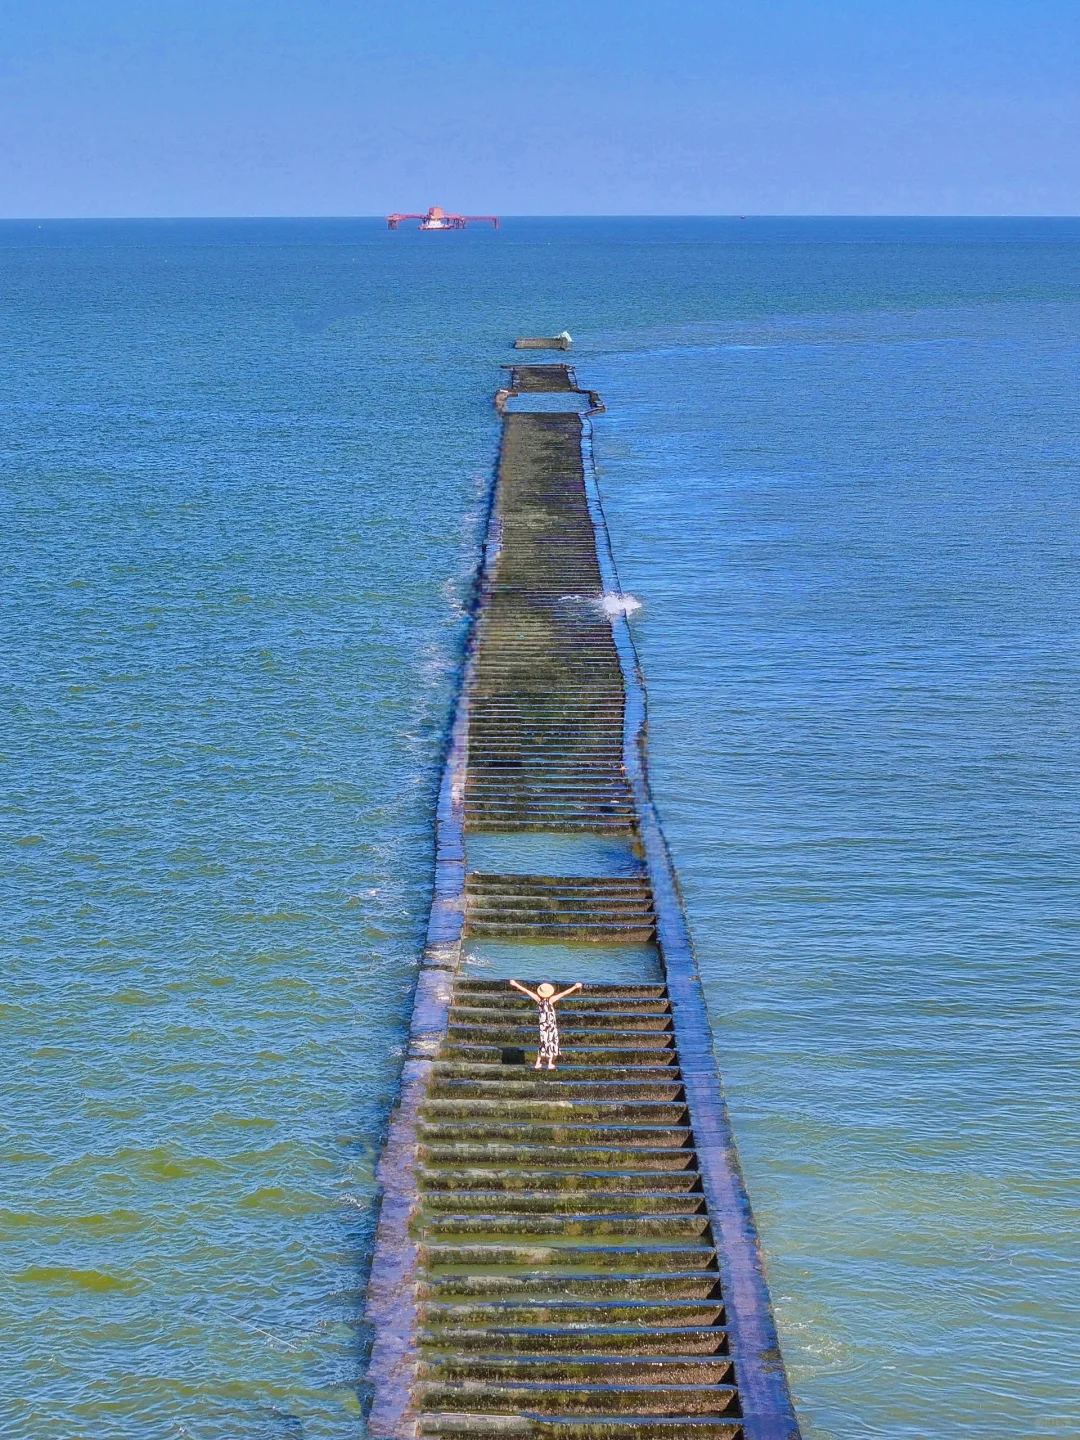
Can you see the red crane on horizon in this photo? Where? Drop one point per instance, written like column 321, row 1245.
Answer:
column 438, row 219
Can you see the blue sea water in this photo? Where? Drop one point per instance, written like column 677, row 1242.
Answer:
column 244, row 469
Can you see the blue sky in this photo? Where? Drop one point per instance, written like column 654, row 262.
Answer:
column 355, row 107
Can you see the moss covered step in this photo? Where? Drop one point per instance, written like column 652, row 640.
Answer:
column 557, row 1108
column 620, row 1257
column 549, row 1397
column 597, row 1427
column 435, row 1181
column 600, row 1054
column 637, row 1341
column 530, row 1156
column 688, row 1285
column 688, row 1370
column 573, row 1018
column 489, row 1202
column 436, row 1314
column 541, row 1085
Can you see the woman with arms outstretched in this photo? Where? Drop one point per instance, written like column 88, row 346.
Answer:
column 546, row 998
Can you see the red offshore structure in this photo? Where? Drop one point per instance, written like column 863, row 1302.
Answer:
column 437, row 219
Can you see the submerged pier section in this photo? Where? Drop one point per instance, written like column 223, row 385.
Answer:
column 546, row 693
column 568, row 1252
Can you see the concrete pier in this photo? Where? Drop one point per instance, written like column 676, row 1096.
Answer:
column 567, row 1252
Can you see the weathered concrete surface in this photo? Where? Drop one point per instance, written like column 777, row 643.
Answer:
column 570, row 1252
column 543, row 342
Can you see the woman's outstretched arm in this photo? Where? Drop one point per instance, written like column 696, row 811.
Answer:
column 563, row 993
column 525, row 990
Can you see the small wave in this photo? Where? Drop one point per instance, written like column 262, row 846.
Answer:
column 619, row 604
column 613, row 603
column 362, row 1203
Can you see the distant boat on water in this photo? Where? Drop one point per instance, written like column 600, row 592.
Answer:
column 439, row 219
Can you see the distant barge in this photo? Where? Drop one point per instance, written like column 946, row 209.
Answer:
column 439, row 219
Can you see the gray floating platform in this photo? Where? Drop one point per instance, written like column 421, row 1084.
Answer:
column 566, row 1253
column 543, row 342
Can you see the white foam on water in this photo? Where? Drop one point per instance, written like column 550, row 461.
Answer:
column 613, row 603
column 619, row 604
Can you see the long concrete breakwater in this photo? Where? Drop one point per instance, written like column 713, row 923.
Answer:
column 569, row 1251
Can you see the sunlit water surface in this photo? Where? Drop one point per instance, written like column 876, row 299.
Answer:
column 244, row 468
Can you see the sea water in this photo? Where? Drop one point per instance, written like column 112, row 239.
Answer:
column 244, row 475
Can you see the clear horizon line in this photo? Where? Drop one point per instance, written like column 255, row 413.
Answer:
column 566, row 215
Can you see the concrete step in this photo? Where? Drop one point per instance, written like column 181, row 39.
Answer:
column 574, row 1055
column 547, row 1397
column 662, row 1066
column 533, row 1133
column 568, row 1202
column 557, row 1182
column 598, row 1427
column 688, row 1285
column 499, row 1225
column 556, row 1109
column 616, row 1258
column 592, row 1369
column 544, row 1088
column 521, row 1311
column 573, row 1018
column 638, row 1341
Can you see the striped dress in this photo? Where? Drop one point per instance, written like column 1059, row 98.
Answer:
column 549, row 1031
